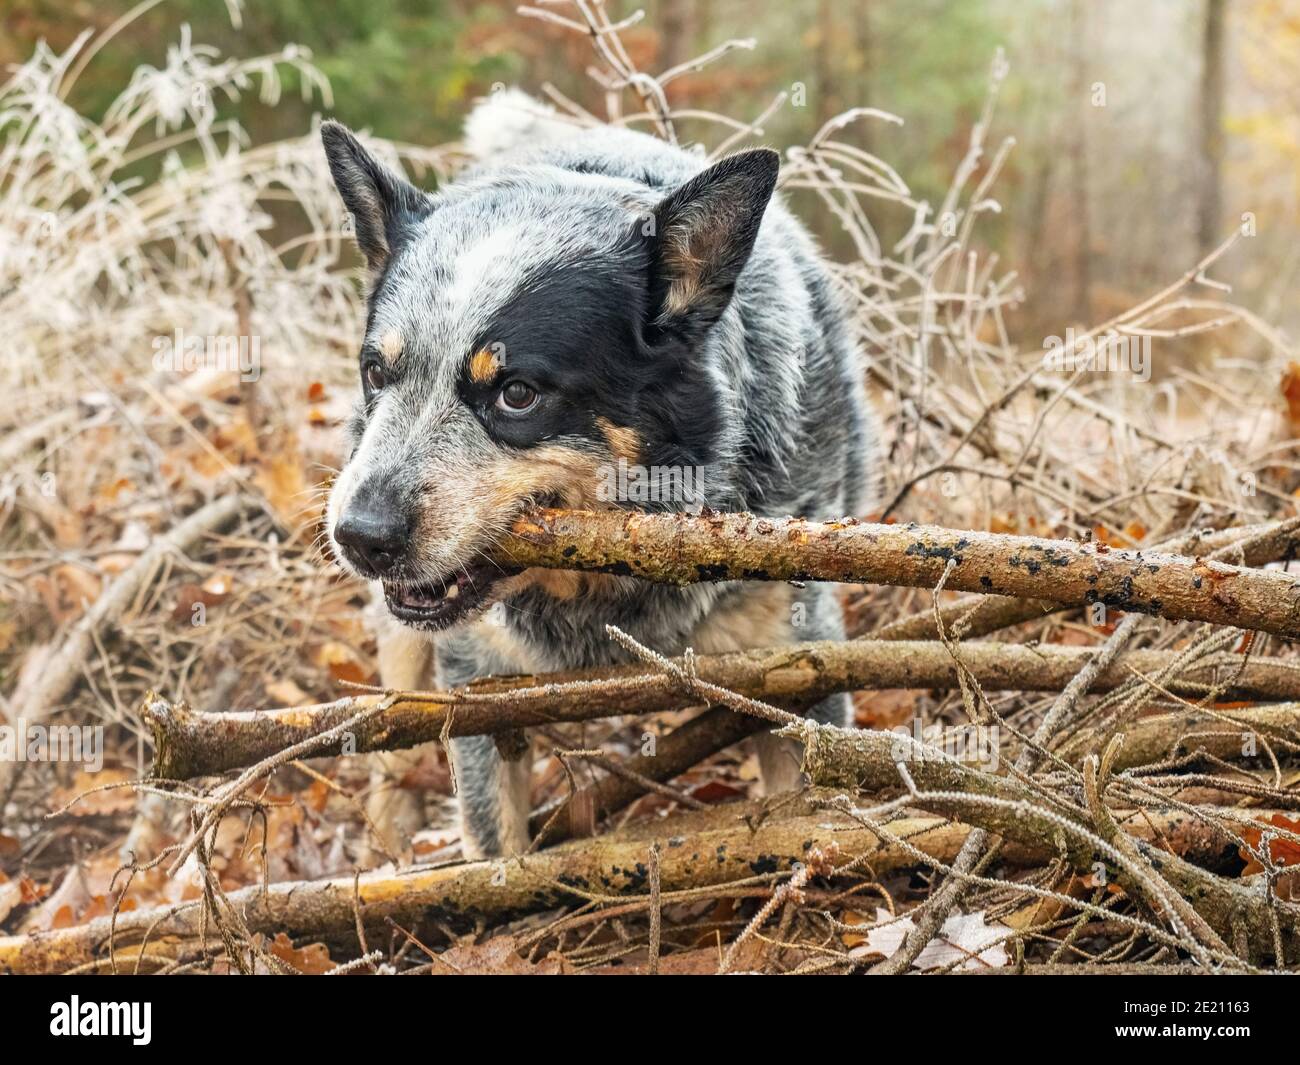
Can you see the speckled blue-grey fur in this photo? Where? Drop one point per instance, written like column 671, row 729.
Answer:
column 772, row 390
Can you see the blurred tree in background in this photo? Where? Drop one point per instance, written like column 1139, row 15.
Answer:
column 1143, row 131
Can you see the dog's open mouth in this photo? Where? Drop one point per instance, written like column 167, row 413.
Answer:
column 439, row 604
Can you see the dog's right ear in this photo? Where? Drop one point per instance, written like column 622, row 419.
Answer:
column 382, row 203
column 704, row 233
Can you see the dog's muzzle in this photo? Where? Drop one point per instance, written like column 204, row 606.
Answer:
column 375, row 532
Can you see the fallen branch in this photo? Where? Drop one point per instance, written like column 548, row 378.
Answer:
column 726, row 845
column 462, row 895
column 687, row 745
column 979, row 615
column 1226, row 734
column 1057, row 719
column 686, row 549
column 189, row 744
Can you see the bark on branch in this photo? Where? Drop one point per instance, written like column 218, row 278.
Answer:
column 686, row 549
column 1243, row 545
column 188, row 743
column 459, row 897
column 1226, row 734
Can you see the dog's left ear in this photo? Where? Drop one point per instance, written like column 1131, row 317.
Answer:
column 381, row 202
column 704, row 233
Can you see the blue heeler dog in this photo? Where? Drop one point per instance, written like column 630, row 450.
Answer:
column 579, row 298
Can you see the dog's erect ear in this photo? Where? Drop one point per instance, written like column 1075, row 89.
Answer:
column 703, row 235
column 381, row 202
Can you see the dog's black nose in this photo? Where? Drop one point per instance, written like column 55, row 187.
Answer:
column 373, row 533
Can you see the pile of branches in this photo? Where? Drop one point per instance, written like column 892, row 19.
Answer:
column 1103, row 592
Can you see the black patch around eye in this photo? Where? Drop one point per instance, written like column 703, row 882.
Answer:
column 577, row 335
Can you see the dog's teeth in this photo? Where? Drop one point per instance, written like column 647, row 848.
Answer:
column 452, row 591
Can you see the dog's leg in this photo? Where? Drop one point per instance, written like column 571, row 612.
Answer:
column 492, row 773
column 397, row 813
column 780, row 761
column 815, row 614
column 493, row 793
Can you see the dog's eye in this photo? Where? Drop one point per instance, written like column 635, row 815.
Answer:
column 375, row 376
column 517, row 397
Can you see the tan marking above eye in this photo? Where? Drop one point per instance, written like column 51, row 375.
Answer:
column 391, row 345
column 483, row 366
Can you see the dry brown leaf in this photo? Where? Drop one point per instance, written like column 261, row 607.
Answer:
column 190, row 595
column 1291, row 393
column 111, row 801
column 498, row 956
column 429, row 841
column 1282, row 852
column 703, row 961
column 111, row 492
column 67, row 591
column 850, row 917
column 885, row 709
column 237, row 441
column 32, row 891
column 716, row 791
column 115, row 563
column 287, row 693
column 282, row 482
column 317, row 795
column 313, row 959
column 219, row 585
column 342, row 663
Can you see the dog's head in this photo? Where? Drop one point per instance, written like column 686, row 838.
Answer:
column 526, row 331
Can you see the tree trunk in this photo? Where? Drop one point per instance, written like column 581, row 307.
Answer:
column 825, row 58
column 1080, row 99
column 1209, row 200
column 676, row 39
